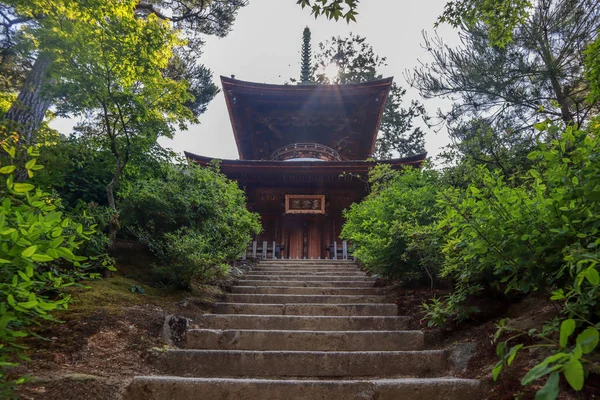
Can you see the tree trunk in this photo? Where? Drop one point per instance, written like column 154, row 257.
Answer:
column 114, row 224
column 27, row 112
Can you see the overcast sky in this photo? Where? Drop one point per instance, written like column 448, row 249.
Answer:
column 264, row 46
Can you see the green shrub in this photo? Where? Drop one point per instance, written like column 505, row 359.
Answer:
column 187, row 254
column 392, row 230
column 194, row 220
column 37, row 255
column 540, row 234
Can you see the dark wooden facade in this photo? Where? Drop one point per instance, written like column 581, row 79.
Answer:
column 303, row 152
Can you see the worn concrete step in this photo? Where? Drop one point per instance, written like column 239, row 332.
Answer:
column 171, row 388
column 304, row 322
column 356, row 283
column 236, row 339
column 349, row 267
column 249, row 363
column 374, row 309
column 251, row 276
column 302, row 298
column 328, row 291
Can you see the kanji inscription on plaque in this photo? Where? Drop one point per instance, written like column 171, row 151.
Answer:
column 305, row 204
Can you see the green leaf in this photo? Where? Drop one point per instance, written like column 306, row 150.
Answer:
column 65, row 252
column 28, row 304
column 41, row 257
column 573, row 371
column 23, row 276
column 28, row 252
column 23, row 187
column 567, row 327
column 550, row 390
column 592, row 276
column 543, row 369
column 8, row 169
column 497, row 369
column 513, row 353
column 558, row 295
column 588, row 340
column 54, row 243
column 47, row 306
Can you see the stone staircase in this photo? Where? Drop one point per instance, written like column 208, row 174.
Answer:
column 304, row 329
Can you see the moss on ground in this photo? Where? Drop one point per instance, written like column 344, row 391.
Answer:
column 115, row 292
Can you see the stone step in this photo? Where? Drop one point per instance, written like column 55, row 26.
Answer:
column 306, row 269
column 307, row 309
column 303, row 322
column 302, row 298
column 249, row 363
column 304, row 340
column 251, row 276
column 164, row 387
column 298, row 272
column 356, row 283
column 349, row 309
column 329, row 291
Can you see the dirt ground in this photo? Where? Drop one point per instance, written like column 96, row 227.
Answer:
column 526, row 314
column 111, row 334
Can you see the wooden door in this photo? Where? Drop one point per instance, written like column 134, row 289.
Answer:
column 314, row 240
column 295, row 242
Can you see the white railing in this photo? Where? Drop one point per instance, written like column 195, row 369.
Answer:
column 272, row 250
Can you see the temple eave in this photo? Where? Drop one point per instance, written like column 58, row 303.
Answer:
column 414, row 160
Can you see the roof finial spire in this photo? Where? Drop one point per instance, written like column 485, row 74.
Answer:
column 305, row 72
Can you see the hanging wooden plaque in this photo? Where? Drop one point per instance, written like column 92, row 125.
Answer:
column 305, row 204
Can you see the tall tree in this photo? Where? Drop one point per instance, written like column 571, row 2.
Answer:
column 538, row 74
column 127, row 101
column 356, row 61
column 27, row 23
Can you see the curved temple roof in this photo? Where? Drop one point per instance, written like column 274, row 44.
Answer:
column 269, row 172
column 344, row 117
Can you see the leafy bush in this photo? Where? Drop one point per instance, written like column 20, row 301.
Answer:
column 392, row 230
column 540, row 234
column 188, row 254
column 194, row 220
column 37, row 255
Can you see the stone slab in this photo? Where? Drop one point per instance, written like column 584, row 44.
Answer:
column 307, row 309
column 355, row 283
column 322, row 291
column 308, row 277
column 176, row 388
column 248, row 363
column 208, row 339
column 310, row 323
column 298, row 272
column 302, row 298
